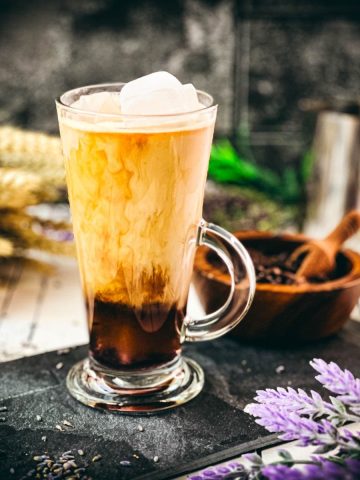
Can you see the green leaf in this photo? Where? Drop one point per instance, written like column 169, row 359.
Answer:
column 291, row 188
column 285, row 455
column 307, row 165
column 227, row 166
column 339, row 406
column 325, row 448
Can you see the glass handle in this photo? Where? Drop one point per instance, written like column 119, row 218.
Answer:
column 242, row 286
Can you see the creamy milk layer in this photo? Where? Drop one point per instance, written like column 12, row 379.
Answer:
column 136, row 199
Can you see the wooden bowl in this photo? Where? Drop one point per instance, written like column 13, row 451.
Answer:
column 283, row 313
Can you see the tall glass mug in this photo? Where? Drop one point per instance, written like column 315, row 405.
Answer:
column 136, row 187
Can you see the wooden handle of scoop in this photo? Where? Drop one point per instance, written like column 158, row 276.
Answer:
column 348, row 226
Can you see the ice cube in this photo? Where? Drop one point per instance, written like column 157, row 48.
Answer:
column 148, row 83
column 165, row 101
column 190, row 98
column 100, row 102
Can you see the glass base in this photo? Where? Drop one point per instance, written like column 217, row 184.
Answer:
column 140, row 392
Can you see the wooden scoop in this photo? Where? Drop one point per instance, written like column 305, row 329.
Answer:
column 320, row 255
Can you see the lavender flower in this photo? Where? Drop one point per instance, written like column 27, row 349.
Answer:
column 292, row 426
column 349, row 442
column 297, row 415
column 341, row 382
column 295, row 401
column 281, row 472
column 320, row 469
column 313, row 406
column 317, row 468
column 232, row 470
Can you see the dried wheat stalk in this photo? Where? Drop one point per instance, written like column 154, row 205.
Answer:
column 19, row 188
column 31, row 172
column 32, row 151
column 7, row 248
column 19, row 225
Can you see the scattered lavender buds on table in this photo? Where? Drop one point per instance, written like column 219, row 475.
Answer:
column 57, row 468
column 59, row 365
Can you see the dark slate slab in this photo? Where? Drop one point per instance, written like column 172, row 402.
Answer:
column 211, row 428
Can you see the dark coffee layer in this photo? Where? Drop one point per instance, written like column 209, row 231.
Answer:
column 124, row 337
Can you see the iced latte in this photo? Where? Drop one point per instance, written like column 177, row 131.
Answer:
column 136, row 195
column 136, row 158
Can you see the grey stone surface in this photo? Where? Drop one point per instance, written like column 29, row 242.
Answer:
column 210, row 428
column 49, row 47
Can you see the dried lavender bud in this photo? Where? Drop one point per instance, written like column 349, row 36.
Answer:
column 280, row 369
column 67, row 423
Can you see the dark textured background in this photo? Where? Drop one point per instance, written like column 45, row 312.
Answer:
column 259, row 58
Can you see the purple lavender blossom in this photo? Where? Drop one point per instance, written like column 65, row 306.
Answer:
column 295, row 414
column 282, row 472
column 341, row 382
column 295, row 401
column 231, row 470
column 322, row 469
column 349, row 441
column 319, row 469
column 292, row 426
column 353, row 466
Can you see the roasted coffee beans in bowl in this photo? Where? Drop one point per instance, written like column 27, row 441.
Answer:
column 286, row 309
